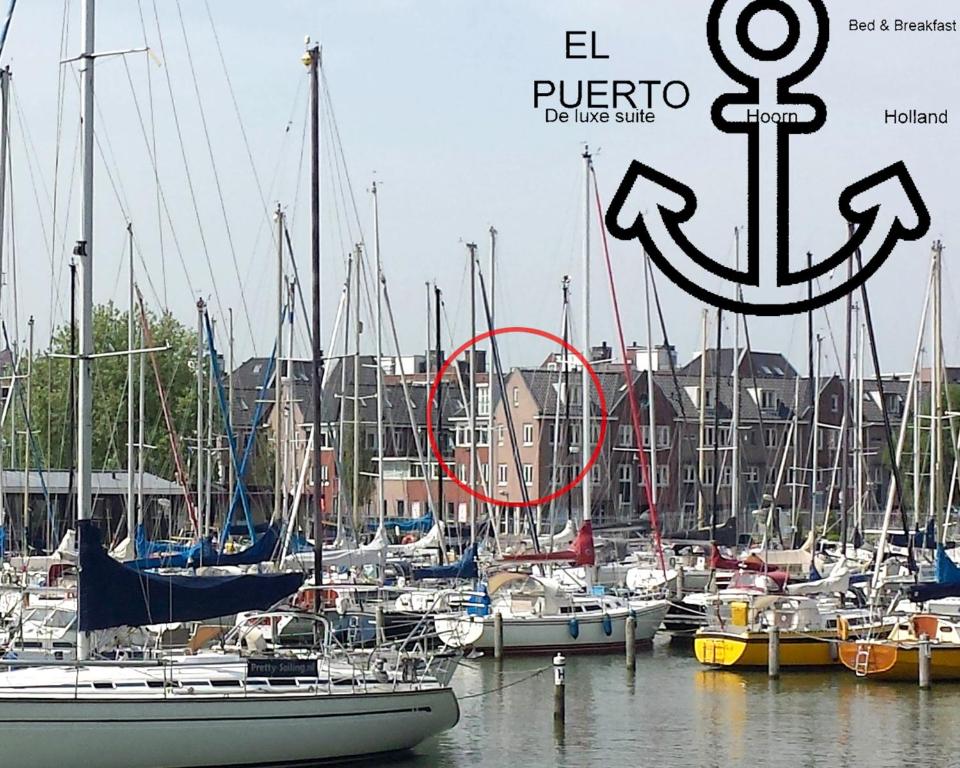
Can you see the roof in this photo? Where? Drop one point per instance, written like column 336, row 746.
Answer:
column 759, row 364
column 57, row 481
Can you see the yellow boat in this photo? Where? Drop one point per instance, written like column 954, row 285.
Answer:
column 897, row 656
column 738, row 631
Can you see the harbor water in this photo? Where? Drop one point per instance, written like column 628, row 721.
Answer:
column 674, row 712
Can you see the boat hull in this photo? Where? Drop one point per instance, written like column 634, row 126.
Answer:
column 184, row 731
column 899, row 661
column 752, row 649
column 533, row 635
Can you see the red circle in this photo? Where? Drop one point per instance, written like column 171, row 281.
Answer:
column 601, row 402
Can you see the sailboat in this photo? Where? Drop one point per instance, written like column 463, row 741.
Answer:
column 216, row 708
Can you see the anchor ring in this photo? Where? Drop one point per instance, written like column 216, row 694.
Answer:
column 768, row 54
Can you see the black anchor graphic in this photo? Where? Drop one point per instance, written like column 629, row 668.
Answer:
column 695, row 271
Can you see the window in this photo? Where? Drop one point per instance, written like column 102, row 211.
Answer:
column 528, row 434
column 501, row 474
column 483, row 436
column 768, row 399
column 708, row 475
column 689, row 474
column 770, row 438
column 485, row 473
column 645, row 435
column 371, row 440
column 753, row 474
column 820, row 439
column 516, row 396
column 594, row 432
column 574, row 394
column 834, row 403
column 528, row 474
column 575, row 436
column 625, row 484
column 483, row 401
column 325, row 474
column 663, row 437
column 663, row 476
column 625, row 435
column 723, row 436
column 462, row 472
column 500, row 430
column 725, row 475
column 595, row 474
column 707, row 398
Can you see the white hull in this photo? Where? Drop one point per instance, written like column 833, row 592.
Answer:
column 547, row 634
column 187, row 731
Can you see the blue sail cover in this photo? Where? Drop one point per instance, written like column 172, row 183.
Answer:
column 113, row 595
column 203, row 553
column 404, row 524
column 947, row 571
column 925, row 539
column 464, row 568
column 147, row 548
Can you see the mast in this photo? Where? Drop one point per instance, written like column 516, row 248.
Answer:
column 702, row 426
column 288, row 481
column 936, row 450
column 651, row 409
column 427, row 380
column 716, row 429
column 566, row 395
column 201, row 514
column 27, row 432
column 278, row 376
column 141, row 432
column 231, row 476
column 491, row 443
column 439, row 361
column 472, row 396
column 341, row 415
column 131, row 340
column 845, row 419
column 381, row 499
column 84, row 251
column 312, row 60
column 4, row 127
column 355, row 493
column 815, row 450
column 587, row 485
column 858, row 420
column 735, row 419
column 208, row 475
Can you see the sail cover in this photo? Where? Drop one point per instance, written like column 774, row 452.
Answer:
column 203, row 553
column 464, row 568
column 581, row 553
column 113, row 595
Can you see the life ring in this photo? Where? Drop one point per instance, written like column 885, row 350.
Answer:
column 607, row 625
column 573, row 627
column 408, row 539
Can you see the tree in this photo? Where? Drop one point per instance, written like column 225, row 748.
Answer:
column 51, row 393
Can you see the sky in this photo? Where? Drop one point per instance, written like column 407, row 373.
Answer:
column 434, row 100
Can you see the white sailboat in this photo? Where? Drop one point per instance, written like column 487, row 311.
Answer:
column 213, row 709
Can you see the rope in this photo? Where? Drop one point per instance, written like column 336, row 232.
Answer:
column 488, row 691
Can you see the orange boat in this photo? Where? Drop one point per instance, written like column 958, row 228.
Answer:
column 897, row 657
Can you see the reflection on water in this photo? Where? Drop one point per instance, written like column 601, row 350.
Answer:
column 673, row 712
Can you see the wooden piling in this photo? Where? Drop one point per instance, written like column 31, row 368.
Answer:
column 925, row 656
column 678, row 583
column 559, row 688
column 630, row 638
column 498, row 635
column 380, row 624
column 773, row 653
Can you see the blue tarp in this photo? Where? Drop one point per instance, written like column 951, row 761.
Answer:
column 404, row 524
column 3, row 541
column 147, row 548
column 203, row 553
column 464, row 568
column 113, row 595
column 947, row 571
